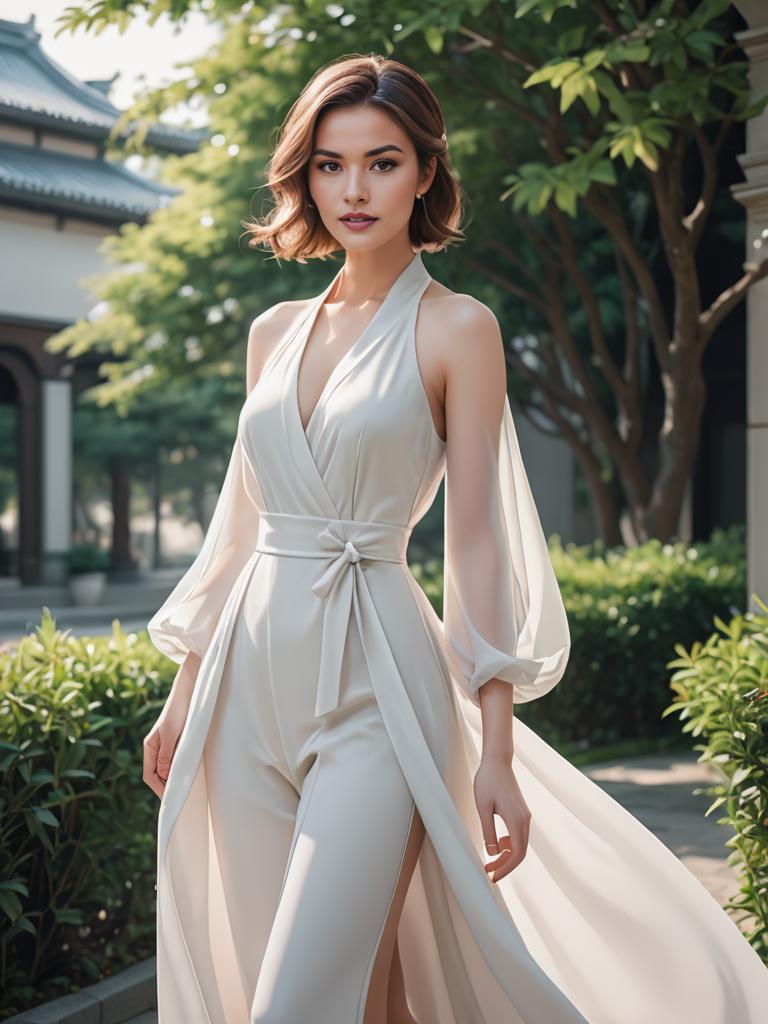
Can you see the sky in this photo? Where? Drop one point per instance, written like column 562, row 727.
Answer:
column 151, row 51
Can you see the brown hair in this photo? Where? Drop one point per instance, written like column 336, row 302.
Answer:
column 293, row 229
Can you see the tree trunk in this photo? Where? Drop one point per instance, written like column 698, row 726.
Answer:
column 121, row 512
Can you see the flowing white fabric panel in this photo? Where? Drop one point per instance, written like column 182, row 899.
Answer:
column 503, row 612
column 187, row 620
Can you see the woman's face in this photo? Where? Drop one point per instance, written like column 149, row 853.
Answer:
column 363, row 162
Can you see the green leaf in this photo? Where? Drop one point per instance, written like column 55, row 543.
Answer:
column 434, row 38
column 45, row 817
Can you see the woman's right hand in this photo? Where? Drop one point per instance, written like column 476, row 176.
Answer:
column 160, row 742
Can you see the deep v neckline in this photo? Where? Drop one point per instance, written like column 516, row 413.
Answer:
column 306, row 331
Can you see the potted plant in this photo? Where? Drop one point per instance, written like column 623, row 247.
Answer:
column 87, row 565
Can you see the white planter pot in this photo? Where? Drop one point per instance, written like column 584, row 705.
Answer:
column 87, row 587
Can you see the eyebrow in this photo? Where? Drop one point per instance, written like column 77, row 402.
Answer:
column 371, row 152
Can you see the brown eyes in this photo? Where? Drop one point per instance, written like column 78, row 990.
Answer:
column 329, row 163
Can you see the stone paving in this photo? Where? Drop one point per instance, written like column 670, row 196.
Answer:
column 658, row 789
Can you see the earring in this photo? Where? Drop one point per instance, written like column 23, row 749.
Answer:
column 418, row 195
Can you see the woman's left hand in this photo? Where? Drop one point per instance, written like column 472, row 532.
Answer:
column 497, row 792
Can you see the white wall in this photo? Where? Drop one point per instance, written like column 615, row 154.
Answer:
column 753, row 193
column 549, row 464
column 43, row 267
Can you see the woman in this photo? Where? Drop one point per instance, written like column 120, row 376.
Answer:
column 332, row 757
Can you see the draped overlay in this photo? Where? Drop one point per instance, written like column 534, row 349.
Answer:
column 600, row 923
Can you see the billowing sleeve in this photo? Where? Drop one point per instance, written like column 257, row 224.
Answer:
column 186, row 621
column 503, row 613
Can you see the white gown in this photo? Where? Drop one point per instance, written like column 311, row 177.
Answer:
column 305, row 554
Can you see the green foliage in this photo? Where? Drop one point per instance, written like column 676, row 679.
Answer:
column 721, row 688
column 182, row 289
column 641, row 77
column 614, row 114
column 82, row 558
column 77, row 823
column 627, row 608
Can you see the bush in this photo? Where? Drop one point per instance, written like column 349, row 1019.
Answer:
column 77, row 823
column 722, row 695
column 82, row 558
column 627, row 608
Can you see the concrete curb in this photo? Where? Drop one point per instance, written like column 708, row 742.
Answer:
column 111, row 1001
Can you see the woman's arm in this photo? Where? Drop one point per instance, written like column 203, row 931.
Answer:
column 186, row 621
column 504, row 622
column 475, row 392
column 183, row 626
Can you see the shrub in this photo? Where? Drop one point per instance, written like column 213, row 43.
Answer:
column 627, row 608
column 83, row 558
column 77, row 823
column 722, row 696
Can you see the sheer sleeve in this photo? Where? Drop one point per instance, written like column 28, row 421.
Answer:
column 503, row 613
column 187, row 619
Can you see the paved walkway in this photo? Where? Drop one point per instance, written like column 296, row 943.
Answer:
column 658, row 789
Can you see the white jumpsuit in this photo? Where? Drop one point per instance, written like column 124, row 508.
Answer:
column 332, row 702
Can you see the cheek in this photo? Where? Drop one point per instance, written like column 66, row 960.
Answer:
column 319, row 184
column 396, row 193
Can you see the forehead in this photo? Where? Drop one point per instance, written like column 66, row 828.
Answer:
column 357, row 128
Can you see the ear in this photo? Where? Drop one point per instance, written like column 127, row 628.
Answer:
column 428, row 175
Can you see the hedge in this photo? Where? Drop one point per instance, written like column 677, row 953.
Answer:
column 722, row 697
column 627, row 608
column 77, row 823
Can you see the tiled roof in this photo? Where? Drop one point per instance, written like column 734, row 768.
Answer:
column 34, row 89
column 77, row 183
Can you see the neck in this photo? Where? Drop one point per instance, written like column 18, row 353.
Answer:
column 368, row 276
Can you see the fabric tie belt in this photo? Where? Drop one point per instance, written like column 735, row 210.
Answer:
column 347, row 543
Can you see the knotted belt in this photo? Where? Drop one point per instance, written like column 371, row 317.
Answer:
column 347, row 543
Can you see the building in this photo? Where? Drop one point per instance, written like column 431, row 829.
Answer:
column 753, row 194
column 59, row 197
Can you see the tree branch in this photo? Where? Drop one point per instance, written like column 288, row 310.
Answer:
column 712, row 317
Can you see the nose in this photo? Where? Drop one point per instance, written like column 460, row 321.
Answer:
column 354, row 191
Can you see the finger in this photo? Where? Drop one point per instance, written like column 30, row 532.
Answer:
column 489, row 829
column 509, row 863
column 163, row 762
column 505, row 869
column 150, row 775
column 501, row 859
column 493, row 864
column 149, row 765
column 505, row 847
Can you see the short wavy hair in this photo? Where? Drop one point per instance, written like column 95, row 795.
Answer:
column 292, row 229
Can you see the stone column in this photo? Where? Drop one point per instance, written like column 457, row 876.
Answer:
column 753, row 194
column 56, row 478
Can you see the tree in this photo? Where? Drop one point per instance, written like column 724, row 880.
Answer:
column 604, row 119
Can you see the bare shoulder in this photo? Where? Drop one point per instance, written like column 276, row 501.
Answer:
column 459, row 332
column 459, row 350
column 265, row 334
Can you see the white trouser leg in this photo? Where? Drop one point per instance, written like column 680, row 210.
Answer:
column 353, row 823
